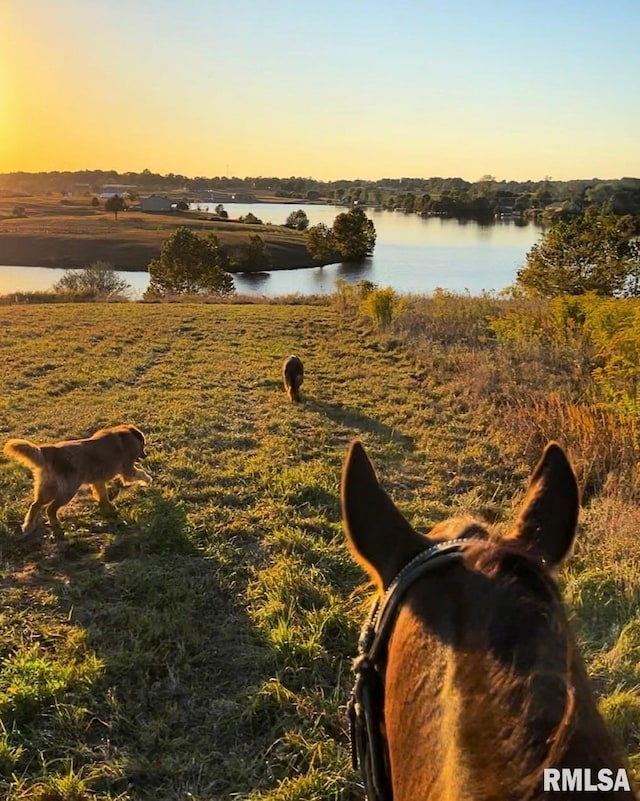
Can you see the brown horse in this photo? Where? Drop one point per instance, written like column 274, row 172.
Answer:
column 469, row 683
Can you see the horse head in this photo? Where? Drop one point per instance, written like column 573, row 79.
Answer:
column 469, row 681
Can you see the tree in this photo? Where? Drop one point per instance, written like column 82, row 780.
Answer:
column 252, row 256
column 410, row 203
column 221, row 211
column 423, row 203
column 182, row 205
column 590, row 253
column 115, row 204
column 250, row 218
column 99, row 278
column 522, row 202
column 486, row 185
column 95, row 202
column 320, row 243
column 298, row 220
column 354, row 235
column 190, row 265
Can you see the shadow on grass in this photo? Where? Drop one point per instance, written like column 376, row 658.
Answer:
column 354, row 418
column 168, row 715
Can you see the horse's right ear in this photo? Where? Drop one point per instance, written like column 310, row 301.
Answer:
column 549, row 515
column 378, row 535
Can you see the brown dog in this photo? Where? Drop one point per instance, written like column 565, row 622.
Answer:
column 60, row 470
column 293, row 375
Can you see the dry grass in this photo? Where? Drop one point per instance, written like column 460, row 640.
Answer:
column 200, row 643
column 69, row 232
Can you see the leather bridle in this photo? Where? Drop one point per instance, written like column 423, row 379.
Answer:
column 366, row 706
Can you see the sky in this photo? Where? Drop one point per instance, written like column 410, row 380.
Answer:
column 329, row 90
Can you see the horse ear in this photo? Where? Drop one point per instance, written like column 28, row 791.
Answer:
column 380, row 538
column 549, row 514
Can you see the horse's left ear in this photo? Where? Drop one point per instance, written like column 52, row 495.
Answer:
column 379, row 536
column 549, row 514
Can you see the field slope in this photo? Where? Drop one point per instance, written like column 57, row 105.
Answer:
column 198, row 645
column 74, row 234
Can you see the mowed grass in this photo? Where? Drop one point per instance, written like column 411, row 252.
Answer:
column 199, row 644
column 70, row 232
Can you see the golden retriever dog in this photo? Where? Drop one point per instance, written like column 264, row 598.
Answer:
column 293, row 375
column 60, row 470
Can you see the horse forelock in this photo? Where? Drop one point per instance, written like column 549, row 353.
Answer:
column 489, row 638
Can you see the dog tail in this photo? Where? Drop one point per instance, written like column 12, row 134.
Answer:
column 25, row 452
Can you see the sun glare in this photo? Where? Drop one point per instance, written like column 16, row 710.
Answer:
column 6, row 132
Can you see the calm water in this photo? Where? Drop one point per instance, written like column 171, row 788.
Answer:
column 412, row 254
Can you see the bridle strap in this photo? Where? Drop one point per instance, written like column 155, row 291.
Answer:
column 366, row 705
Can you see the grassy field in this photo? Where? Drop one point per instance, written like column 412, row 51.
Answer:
column 69, row 232
column 198, row 646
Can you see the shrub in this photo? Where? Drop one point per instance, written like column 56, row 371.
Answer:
column 383, row 306
column 251, row 219
column 348, row 297
column 99, row 278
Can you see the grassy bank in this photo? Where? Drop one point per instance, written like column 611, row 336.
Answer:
column 200, row 643
column 70, row 233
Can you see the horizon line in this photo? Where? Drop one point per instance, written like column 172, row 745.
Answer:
column 493, row 179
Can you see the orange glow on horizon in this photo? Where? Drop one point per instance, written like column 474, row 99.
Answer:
column 70, row 102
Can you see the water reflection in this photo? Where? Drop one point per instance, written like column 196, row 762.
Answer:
column 253, row 279
column 353, row 271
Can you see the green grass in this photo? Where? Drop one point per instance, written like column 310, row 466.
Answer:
column 200, row 642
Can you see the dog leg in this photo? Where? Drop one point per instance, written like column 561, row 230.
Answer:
column 44, row 493
column 135, row 475
column 31, row 518
column 52, row 516
column 99, row 492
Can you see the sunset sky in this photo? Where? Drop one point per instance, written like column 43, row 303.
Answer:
column 337, row 89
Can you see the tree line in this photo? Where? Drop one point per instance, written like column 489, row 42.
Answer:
column 448, row 196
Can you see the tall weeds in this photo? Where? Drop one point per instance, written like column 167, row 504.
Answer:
column 565, row 369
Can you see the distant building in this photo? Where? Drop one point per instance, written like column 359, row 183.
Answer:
column 157, row 203
column 504, row 208
column 111, row 190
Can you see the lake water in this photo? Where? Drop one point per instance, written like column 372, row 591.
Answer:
column 412, row 254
